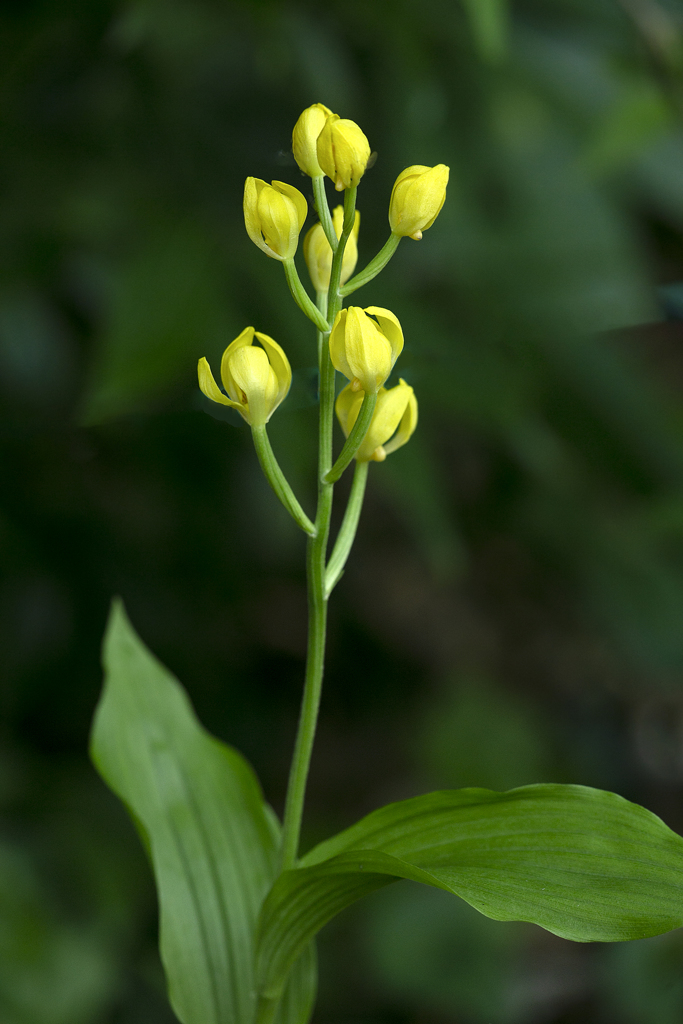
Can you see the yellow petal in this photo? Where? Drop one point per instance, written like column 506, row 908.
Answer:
column 256, row 379
column 390, row 328
column 417, row 198
column 279, row 222
column 343, row 151
column 318, row 253
column 406, row 427
column 318, row 256
column 281, row 368
column 390, row 408
column 305, row 138
column 338, row 346
column 298, row 198
column 209, row 387
column 351, row 251
column 427, row 194
column 245, row 337
column 347, row 407
column 252, row 222
column 368, row 352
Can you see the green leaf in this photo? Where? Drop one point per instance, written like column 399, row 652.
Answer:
column 211, row 838
column 582, row 863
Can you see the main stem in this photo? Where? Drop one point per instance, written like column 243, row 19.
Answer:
column 315, row 565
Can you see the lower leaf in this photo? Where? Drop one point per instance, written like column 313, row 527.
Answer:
column 211, row 838
column 582, row 863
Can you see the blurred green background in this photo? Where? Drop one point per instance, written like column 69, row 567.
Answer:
column 513, row 610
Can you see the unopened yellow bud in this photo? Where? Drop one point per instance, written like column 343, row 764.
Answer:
column 393, row 421
column 318, row 254
column 343, row 152
column 364, row 345
column 274, row 216
column 305, row 138
column 417, row 197
column 256, row 379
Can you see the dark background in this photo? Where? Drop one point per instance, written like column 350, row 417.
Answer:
column 513, row 609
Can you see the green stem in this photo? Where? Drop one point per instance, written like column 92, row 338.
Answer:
column 374, row 266
column 315, row 566
column 301, row 296
column 277, row 481
column 355, row 438
column 321, row 302
column 334, row 293
column 323, row 210
column 317, row 615
column 347, row 531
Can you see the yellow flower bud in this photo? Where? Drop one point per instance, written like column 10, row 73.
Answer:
column 343, row 152
column 305, row 138
column 318, row 254
column 274, row 215
column 392, row 423
column 417, row 197
column 256, row 379
column 364, row 345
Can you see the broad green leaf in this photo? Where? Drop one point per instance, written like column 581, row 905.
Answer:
column 211, row 838
column 582, row 863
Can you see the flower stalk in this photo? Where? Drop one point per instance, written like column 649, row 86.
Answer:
column 302, row 298
column 355, row 438
column 317, row 605
column 323, row 210
column 374, row 267
column 276, row 479
column 347, row 531
column 363, row 344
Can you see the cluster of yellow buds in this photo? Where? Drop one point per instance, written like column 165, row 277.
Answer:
column 324, row 143
column 364, row 344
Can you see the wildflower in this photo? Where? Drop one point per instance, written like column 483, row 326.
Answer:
column 318, row 254
column 274, row 216
column 305, row 138
column 256, row 379
column 416, row 199
column 343, row 152
column 393, row 421
column 364, row 345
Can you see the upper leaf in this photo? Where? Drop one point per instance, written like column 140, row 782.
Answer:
column 211, row 838
column 582, row 863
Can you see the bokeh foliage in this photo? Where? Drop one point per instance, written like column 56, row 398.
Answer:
column 512, row 612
